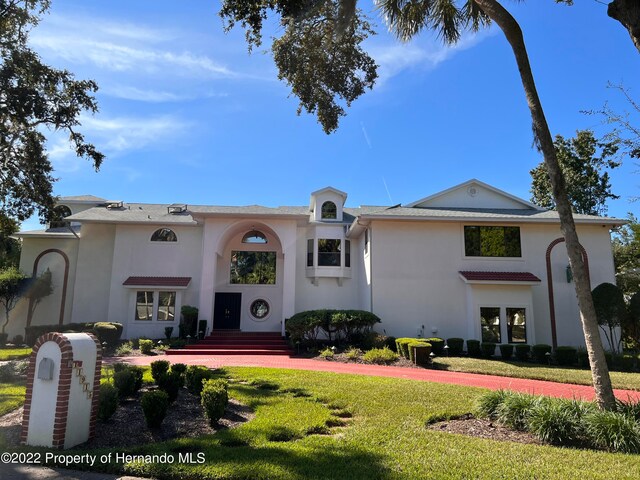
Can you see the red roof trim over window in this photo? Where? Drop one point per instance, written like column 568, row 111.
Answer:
column 158, row 281
column 500, row 276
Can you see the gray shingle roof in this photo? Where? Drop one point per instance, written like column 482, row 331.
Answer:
column 82, row 198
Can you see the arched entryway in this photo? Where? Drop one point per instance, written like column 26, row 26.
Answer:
column 63, row 297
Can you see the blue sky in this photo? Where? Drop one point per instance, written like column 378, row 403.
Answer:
column 186, row 115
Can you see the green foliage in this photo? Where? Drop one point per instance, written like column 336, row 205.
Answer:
column 380, row 356
column 214, row 399
column 154, row 405
column 128, row 381
column 584, row 162
column 539, row 352
column 515, row 409
column 33, row 332
column 189, row 323
column 488, row 349
column 108, row 332
column 9, row 247
column 125, row 348
column 327, row 353
column 522, row 352
column 488, row 403
column 353, row 353
column 146, row 346
column 108, row 401
column 13, row 371
column 195, row 376
column 402, row 346
column 456, row 346
column 180, row 368
column 473, row 348
column 437, row 344
column 253, row 268
column 159, row 368
column 613, row 431
column 390, row 343
column 420, row 352
column 626, row 256
column 566, row 355
column 167, row 332
column 506, row 351
column 558, row 421
column 36, row 98
column 18, row 340
column 170, row 383
column 12, row 285
column 611, row 312
column 348, row 325
column 631, row 327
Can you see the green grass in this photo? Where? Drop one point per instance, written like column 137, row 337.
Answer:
column 624, row 380
column 296, row 434
column 11, row 397
column 13, row 353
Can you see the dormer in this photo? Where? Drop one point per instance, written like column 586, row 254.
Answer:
column 326, row 205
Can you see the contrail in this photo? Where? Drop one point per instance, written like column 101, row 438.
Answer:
column 387, row 189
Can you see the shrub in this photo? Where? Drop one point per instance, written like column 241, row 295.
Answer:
column 420, row 352
column 12, row 371
column 159, row 368
column 170, row 383
column 506, row 351
column 437, row 345
column 146, row 346
column 194, row 376
column 558, row 421
column 539, row 352
column 353, row 353
column 566, row 355
column 179, row 368
column 189, row 323
column 128, row 381
column 3, row 339
column 214, row 399
column 33, row 332
column 583, row 358
column 390, row 343
column 381, row 356
column 402, row 346
column 613, row 431
column 346, row 324
column 18, row 340
column 473, row 348
column 488, row 349
column 177, row 343
column 124, row 349
column 626, row 362
column 327, row 353
column 154, row 405
column 522, row 352
column 108, row 332
column 488, row 403
column 168, row 331
column 107, row 401
column 629, row 408
column 515, row 409
column 456, row 345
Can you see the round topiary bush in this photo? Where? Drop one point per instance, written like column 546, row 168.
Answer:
column 108, row 332
column 159, row 368
column 154, row 405
column 566, row 355
column 170, row 383
column 214, row 399
column 146, row 346
column 107, row 401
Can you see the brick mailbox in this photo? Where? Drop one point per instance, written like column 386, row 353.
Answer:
column 63, row 383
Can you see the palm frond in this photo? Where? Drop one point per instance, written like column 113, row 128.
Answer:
column 446, row 19
column 474, row 16
column 405, row 18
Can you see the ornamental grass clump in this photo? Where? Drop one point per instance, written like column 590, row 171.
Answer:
column 154, row 405
column 559, row 421
column 214, row 399
column 327, row 353
column 613, row 431
column 353, row 353
column 380, row 356
column 488, row 404
column 515, row 409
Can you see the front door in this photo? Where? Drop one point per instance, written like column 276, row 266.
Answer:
column 226, row 313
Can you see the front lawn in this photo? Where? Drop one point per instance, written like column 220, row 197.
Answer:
column 623, row 380
column 11, row 397
column 13, row 353
column 326, row 425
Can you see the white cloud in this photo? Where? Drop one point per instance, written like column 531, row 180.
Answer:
column 393, row 58
column 155, row 96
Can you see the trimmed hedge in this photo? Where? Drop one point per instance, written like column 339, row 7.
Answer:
column 154, row 405
column 146, row 346
column 334, row 324
column 195, row 376
column 488, row 349
column 107, row 401
column 473, row 348
column 566, row 355
column 108, row 332
column 539, row 352
column 522, row 352
column 33, row 332
column 506, row 351
column 159, row 368
column 456, row 346
column 402, row 346
column 417, row 343
column 421, row 352
column 437, row 345
column 128, row 381
column 170, row 383
column 214, row 399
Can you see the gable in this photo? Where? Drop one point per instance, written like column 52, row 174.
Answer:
column 474, row 194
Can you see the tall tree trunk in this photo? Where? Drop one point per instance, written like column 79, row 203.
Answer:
column 599, row 370
column 627, row 12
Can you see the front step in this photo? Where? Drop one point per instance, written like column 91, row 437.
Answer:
column 234, row 342
column 217, row 351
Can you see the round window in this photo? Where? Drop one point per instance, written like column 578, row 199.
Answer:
column 259, row 309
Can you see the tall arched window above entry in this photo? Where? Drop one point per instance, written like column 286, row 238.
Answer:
column 329, row 211
column 164, row 235
column 254, row 236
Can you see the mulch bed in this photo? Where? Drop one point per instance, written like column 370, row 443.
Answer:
column 342, row 358
column 483, row 428
column 127, row 426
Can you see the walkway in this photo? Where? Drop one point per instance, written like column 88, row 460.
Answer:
column 492, row 382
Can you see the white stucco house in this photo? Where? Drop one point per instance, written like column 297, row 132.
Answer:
column 471, row 261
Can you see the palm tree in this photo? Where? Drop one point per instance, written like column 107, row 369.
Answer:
column 448, row 18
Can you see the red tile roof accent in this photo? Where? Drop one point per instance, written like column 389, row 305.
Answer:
column 500, row 276
column 158, row 281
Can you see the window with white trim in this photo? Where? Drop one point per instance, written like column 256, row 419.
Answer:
column 153, row 305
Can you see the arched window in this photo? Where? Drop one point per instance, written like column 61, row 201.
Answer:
column 329, row 211
column 254, row 236
column 164, row 235
column 59, row 214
